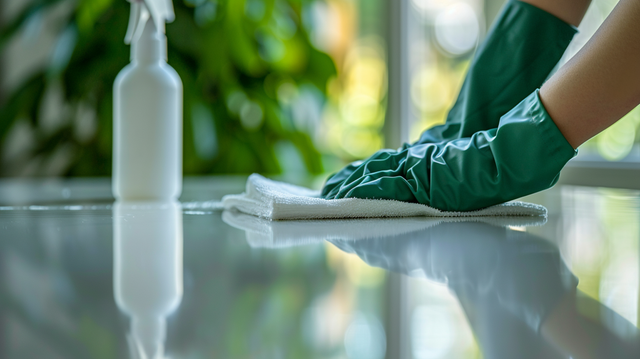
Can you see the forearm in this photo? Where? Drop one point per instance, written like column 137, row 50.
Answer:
column 601, row 83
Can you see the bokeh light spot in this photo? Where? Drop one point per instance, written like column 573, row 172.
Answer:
column 616, row 142
column 251, row 115
column 365, row 338
column 457, row 28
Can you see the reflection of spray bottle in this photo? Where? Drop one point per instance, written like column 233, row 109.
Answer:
column 147, row 240
column 147, row 111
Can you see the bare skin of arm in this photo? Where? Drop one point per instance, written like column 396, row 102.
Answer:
column 601, row 83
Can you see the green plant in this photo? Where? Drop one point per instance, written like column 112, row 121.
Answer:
column 234, row 58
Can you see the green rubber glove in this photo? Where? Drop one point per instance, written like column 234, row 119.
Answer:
column 521, row 49
column 524, row 154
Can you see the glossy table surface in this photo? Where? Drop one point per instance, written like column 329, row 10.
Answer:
column 82, row 277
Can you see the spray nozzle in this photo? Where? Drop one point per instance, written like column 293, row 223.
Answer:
column 160, row 11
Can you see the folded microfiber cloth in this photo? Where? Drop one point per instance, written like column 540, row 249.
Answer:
column 281, row 201
column 281, row 234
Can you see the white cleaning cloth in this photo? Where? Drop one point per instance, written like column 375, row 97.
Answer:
column 277, row 201
column 281, row 234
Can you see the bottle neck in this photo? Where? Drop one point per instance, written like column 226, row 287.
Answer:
column 150, row 46
column 148, row 336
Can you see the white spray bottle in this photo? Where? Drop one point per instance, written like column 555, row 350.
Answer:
column 147, row 111
column 147, row 273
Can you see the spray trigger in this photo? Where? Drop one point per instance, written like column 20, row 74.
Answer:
column 160, row 11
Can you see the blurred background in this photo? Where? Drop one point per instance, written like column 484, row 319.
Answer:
column 271, row 86
column 286, row 87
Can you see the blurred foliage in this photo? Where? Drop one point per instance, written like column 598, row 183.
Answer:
column 233, row 56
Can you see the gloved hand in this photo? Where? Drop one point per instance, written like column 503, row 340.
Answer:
column 521, row 49
column 523, row 155
column 518, row 54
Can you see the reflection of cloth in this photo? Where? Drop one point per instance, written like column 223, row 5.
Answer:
column 280, row 234
column 276, row 200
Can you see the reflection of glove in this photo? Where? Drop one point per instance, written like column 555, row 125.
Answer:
column 533, row 278
column 523, row 155
column 492, row 270
column 521, row 49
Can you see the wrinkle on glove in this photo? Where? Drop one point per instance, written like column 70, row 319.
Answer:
column 523, row 46
column 523, row 155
